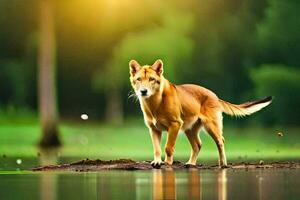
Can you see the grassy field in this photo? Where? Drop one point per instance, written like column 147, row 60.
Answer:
column 89, row 140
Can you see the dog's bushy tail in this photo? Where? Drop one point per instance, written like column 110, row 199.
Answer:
column 246, row 108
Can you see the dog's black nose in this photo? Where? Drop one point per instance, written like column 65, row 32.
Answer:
column 144, row 92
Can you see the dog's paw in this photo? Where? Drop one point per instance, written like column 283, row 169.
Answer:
column 168, row 161
column 189, row 165
column 157, row 164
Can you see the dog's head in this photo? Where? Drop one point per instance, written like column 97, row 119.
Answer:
column 146, row 80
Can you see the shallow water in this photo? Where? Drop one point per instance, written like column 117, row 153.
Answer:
column 155, row 184
column 17, row 183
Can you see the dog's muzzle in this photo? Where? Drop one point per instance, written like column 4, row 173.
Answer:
column 144, row 92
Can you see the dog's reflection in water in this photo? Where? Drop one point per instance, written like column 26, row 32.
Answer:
column 164, row 186
column 222, row 184
column 167, row 186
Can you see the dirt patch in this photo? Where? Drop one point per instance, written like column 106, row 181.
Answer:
column 127, row 164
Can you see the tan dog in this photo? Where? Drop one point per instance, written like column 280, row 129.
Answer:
column 182, row 107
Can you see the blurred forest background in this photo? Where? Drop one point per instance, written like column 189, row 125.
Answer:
column 60, row 59
column 242, row 50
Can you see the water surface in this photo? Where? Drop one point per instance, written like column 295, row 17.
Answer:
column 16, row 182
column 155, row 184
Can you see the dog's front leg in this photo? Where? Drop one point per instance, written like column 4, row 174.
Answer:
column 173, row 131
column 156, row 139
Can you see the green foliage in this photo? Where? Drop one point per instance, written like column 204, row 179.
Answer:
column 279, row 32
column 282, row 82
column 14, row 79
column 224, row 43
column 209, row 42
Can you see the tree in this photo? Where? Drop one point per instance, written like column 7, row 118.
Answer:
column 279, row 33
column 46, row 76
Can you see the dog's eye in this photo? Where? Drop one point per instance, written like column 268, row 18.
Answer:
column 151, row 79
column 139, row 79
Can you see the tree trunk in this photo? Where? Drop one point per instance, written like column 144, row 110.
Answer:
column 114, row 107
column 46, row 77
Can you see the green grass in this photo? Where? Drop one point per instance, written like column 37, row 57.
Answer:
column 132, row 140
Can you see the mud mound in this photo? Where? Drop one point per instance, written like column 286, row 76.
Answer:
column 127, row 164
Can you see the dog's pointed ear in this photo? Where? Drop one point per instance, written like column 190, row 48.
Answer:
column 158, row 66
column 134, row 67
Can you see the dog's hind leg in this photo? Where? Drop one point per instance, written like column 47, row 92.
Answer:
column 214, row 126
column 193, row 137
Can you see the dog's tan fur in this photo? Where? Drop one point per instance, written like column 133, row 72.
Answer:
column 185, row 107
